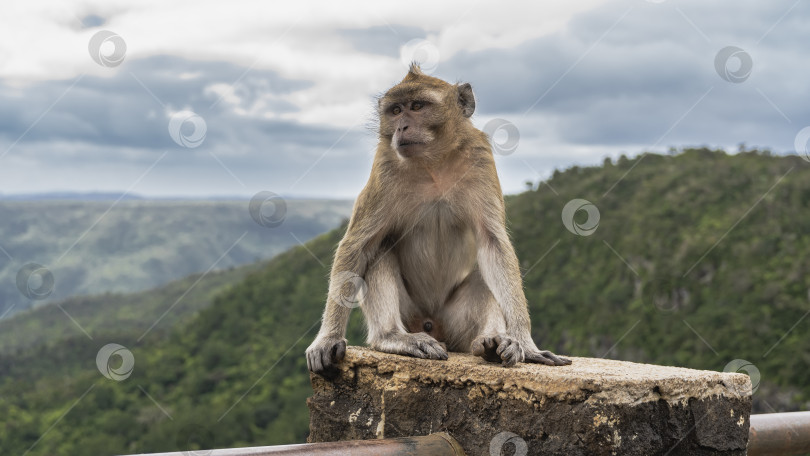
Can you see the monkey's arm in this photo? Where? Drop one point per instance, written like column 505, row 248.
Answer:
column 351, row 260
column 501, row 271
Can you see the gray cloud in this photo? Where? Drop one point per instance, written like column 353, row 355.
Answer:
column 119, row 111
column 638, row 84
column 382, row 39
column 649, row 71
column 92, row 20
column 106, row 128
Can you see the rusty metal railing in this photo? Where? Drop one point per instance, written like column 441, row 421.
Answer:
column 779, row 434
column 440, row 444
column 772, row 434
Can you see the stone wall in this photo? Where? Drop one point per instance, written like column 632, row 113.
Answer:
column 592, row 407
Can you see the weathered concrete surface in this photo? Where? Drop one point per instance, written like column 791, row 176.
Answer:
column 592, row 407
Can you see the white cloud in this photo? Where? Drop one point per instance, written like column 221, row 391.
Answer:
column 299, row 40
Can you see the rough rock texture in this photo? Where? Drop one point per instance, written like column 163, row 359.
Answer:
column 592, row 407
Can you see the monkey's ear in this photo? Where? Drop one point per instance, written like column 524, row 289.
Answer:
column 466, row 99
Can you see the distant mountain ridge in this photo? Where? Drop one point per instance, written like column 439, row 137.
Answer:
column 50, row 196
column 127, row 196
column 98, row 246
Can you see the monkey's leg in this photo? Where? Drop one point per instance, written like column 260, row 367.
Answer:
column 470, row 312
column 384, row 305
column 476, row 323
column 500, row 270
column 478, row 326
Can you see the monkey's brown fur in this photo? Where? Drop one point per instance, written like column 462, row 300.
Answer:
column 428, row 236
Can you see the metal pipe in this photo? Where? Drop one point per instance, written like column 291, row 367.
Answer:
column 779, row 434
column 440, row 444
column 772, row 434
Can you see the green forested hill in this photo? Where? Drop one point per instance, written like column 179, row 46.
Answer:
column 159, row 309
column 94, row 247
column 698, row 259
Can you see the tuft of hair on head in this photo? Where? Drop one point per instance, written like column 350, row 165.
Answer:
column 414, row 71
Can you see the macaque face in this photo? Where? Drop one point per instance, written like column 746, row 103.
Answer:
column 411, row 118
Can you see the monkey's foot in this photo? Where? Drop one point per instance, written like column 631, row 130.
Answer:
column 324, row 353
column 500, row 348
column 418, row 345
column 508, row 351
column 546, row 357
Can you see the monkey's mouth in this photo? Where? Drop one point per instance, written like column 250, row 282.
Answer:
column 408, row 148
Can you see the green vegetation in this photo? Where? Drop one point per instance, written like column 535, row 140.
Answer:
column 699, row 258
column 117, row 313
column 97, row 246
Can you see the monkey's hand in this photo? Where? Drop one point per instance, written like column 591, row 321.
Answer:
column 510, row 352
column 418, row 345
column 324, row 353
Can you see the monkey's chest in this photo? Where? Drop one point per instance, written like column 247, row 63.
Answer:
column 436, row 255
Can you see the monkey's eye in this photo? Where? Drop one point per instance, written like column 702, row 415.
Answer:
column 416, row 105
column 396, row 110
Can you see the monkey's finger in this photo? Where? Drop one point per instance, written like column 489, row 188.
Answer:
column 339, row 351
column 509, row 347
column 490, row 346
column 477, row 348
column 503, row 344
column 558, row 360
column 314, row 362
column 485, row 347
column 509, row 361
column 539, row 359
column 511, row 355
column 565, row 361
column 490, row 343
column 432, row 350
column 507, row 350
column 326, row 358
column 542, row 357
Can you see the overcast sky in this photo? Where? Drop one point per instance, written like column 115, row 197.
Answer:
column 207, row 97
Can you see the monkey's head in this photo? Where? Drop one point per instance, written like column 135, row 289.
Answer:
column 419, row 115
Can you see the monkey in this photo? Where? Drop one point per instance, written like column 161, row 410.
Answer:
column 428, row 238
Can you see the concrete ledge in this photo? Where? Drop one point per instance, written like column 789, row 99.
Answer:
column 592, row 407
